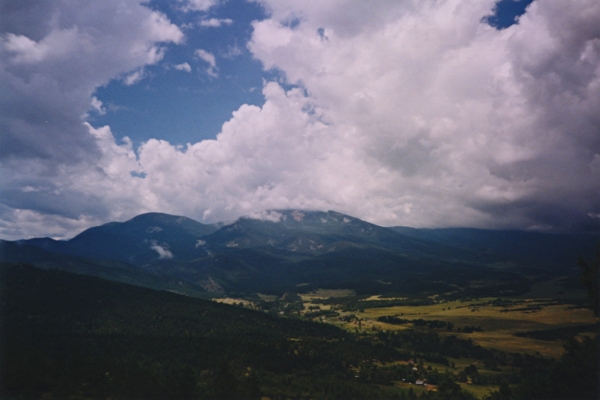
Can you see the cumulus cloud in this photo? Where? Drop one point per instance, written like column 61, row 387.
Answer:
column 215, row 22
column 50, row 67
column 468, row 124
column 183, row 67
column 403, row 113
column 163, row 250
column 49, row 70
column 210, row 59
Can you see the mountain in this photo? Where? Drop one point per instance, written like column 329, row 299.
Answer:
column 305, row 234
column 555, row 250
column 278, row 250
column 289, row 250
column 302, row 232
column 141, row 240
column 18, row 252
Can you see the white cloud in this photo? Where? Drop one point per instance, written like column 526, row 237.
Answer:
column 163, row 251
column 25, row 50
column 98, row 106
column 183, row 67
column 210, row 59
column 468, row 125
column 50, row 68
column 215, row 22
column 17, row 223
column 266, row 215
column 409, row 113
column 198, row 5
column 232, row 52
column 134, row 77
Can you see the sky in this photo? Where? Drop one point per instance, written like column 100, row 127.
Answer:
column 423, row 113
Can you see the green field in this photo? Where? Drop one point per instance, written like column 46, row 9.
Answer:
column 461, row 328
column 498, row 327
column 533, row 324
column 499, row 318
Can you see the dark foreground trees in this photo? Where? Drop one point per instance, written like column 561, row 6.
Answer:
column 71, row 336
column 590, row 278
column 574, row 376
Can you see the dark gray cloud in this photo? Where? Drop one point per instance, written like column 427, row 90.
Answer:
column 31, row 18
column 40, row 120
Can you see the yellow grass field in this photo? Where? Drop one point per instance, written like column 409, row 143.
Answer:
column 230, row 301
column 498, row 327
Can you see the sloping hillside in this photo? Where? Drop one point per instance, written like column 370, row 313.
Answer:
column 67, row 335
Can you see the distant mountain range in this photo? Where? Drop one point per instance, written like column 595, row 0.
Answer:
column 291, row 250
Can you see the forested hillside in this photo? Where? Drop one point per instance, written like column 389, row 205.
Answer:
column 73, row 336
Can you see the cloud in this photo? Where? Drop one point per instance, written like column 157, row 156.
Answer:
column 50, row 68
column 266, row 215
column 400, row 113
column 215, row 22
column 232, row 52
column 163, row 251
column 210, row 59
column 198, row 5
column 183, row 67
column 98, row 106
column 470, row 125
column 134, row 77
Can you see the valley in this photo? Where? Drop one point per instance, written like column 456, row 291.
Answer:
column 298, row 304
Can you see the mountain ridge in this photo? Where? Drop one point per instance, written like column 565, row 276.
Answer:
column 276, row 250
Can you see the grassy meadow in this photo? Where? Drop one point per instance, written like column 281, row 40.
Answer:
column 499, row 318
column 499, row 327
column 516, row 331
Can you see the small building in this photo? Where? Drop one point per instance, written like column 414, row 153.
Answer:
column 420, row 382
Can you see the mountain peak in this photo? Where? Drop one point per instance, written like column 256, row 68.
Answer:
column 301, row 231
column 143, row 239
column 159, row 217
